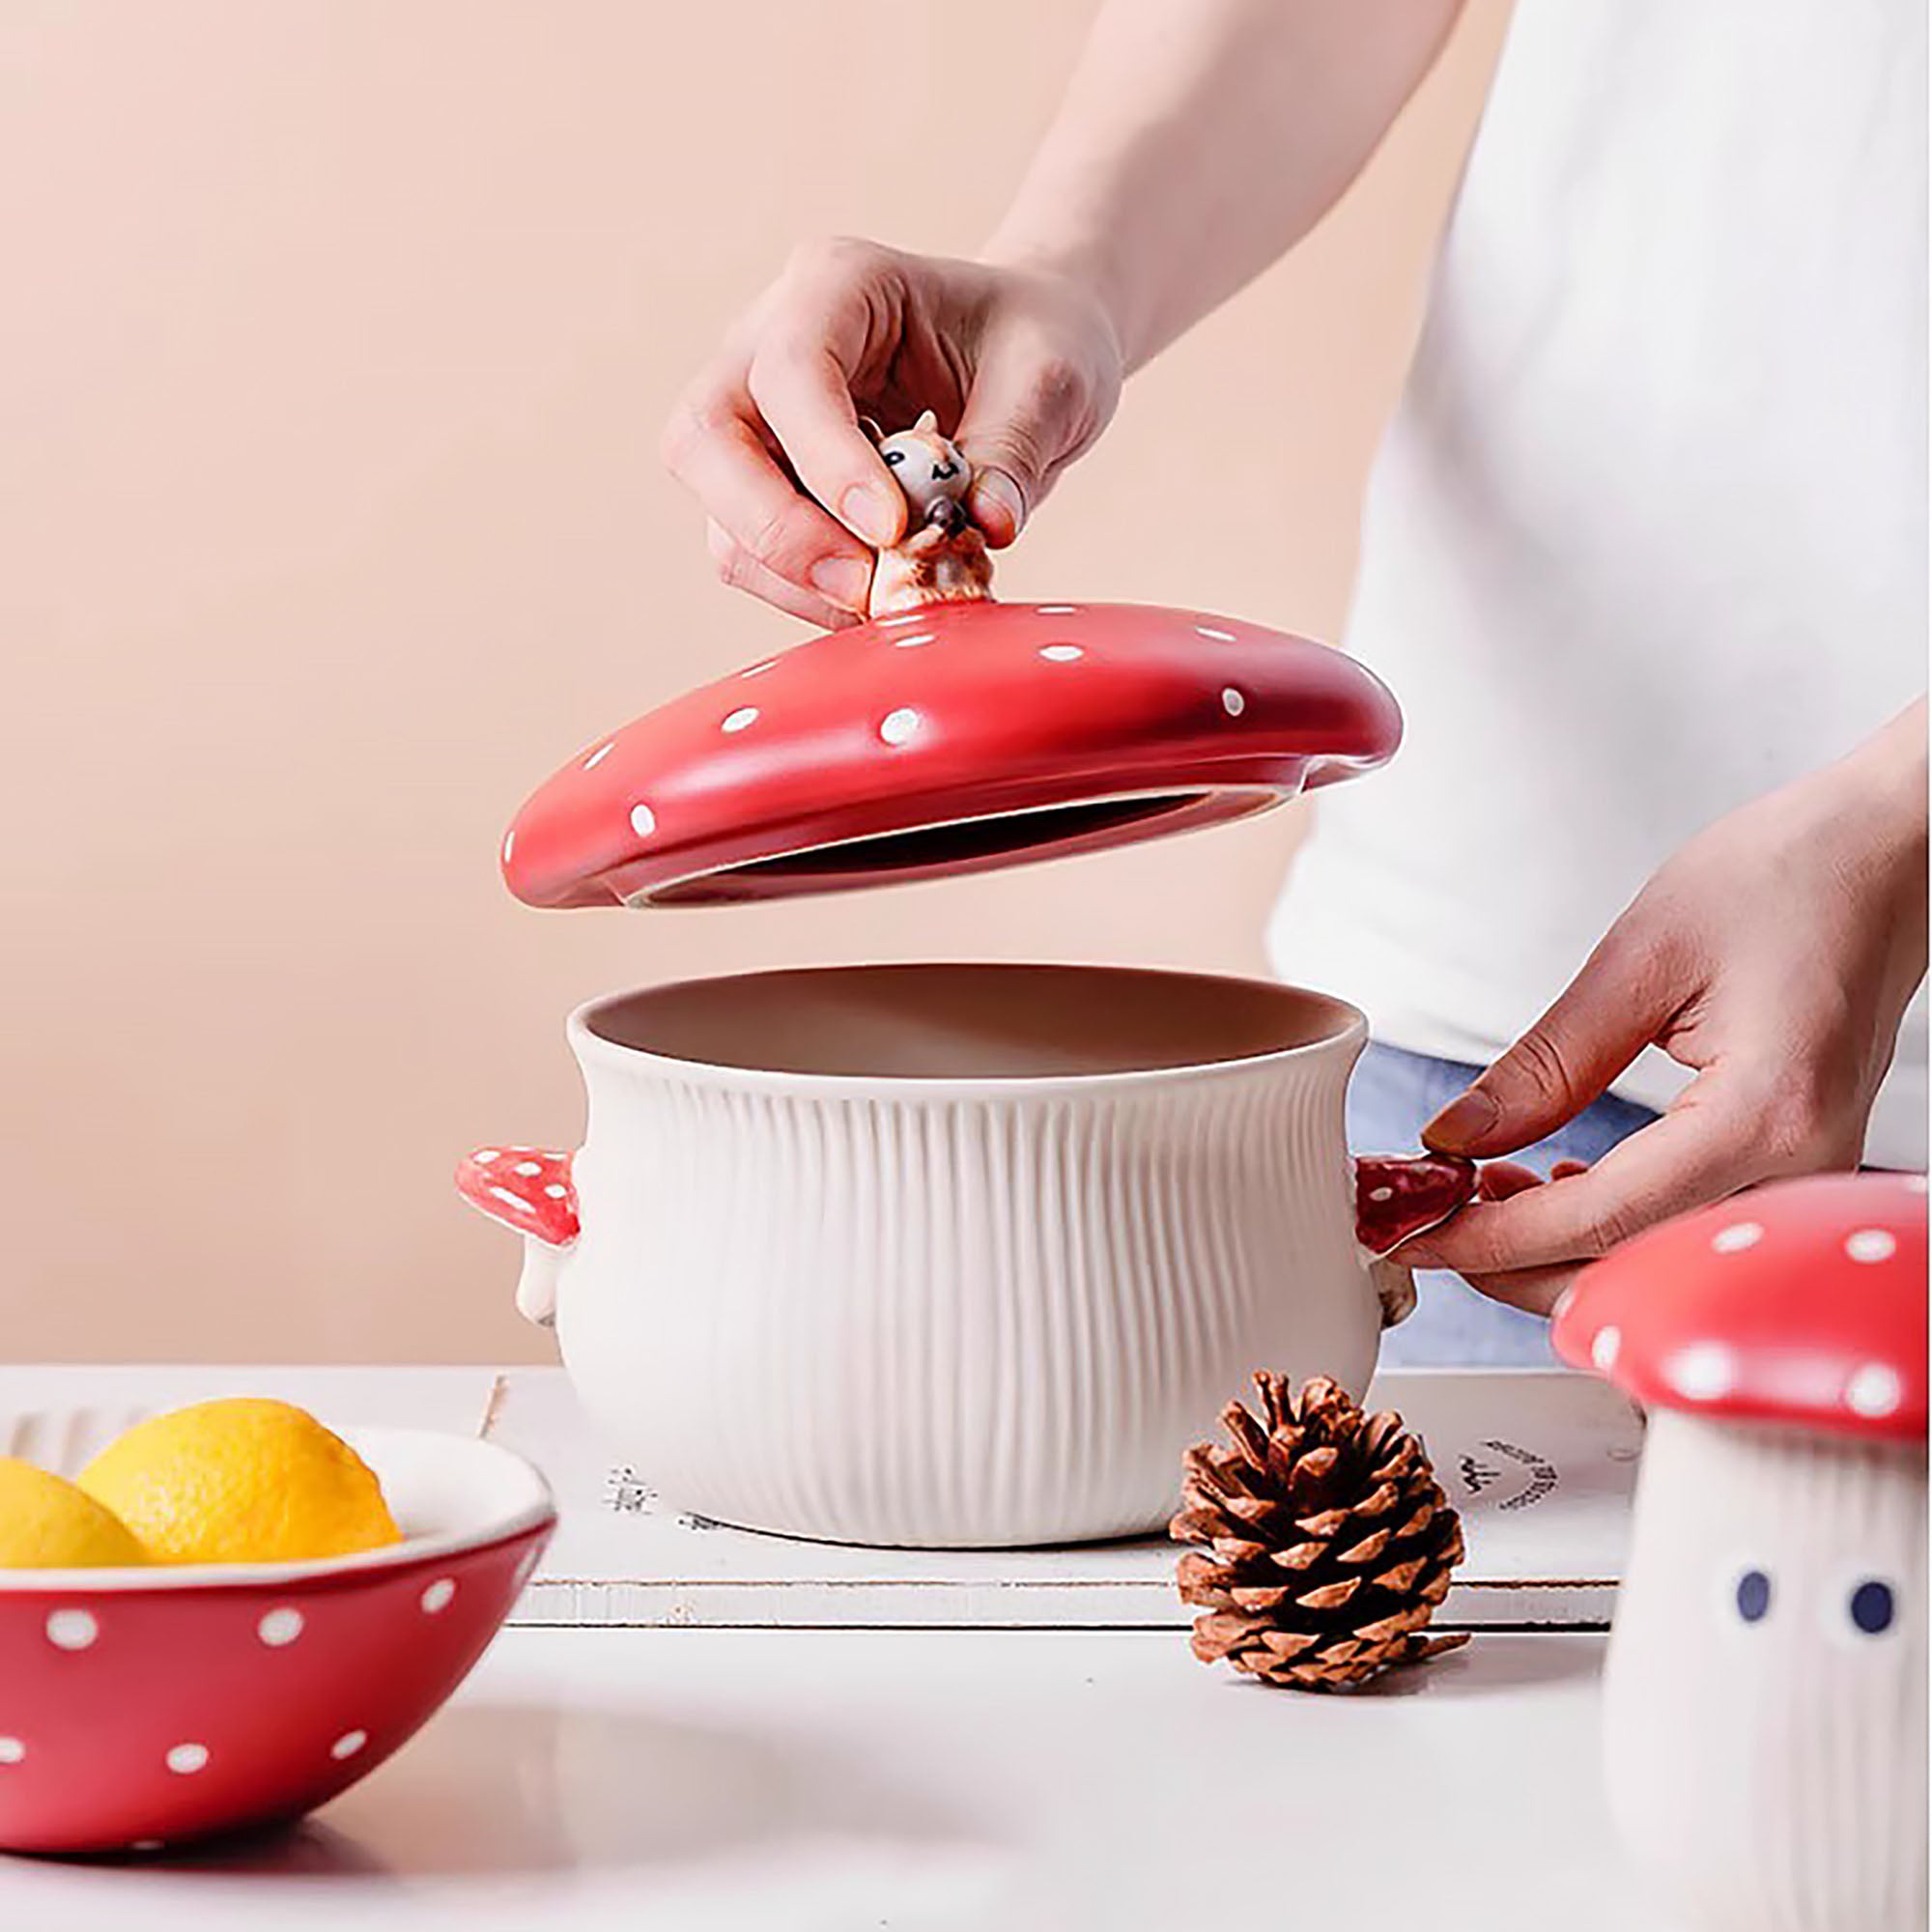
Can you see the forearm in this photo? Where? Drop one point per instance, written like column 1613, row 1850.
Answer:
column 1198, row 142
column 1893, row 762
column 1885, row 783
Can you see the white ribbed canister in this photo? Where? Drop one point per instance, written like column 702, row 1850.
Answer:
column 1766, row 1756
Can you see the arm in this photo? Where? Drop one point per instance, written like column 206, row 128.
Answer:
column 1774, row 955
column 1197, row 142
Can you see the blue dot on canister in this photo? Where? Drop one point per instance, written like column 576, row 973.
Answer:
column 1873, row 1607
column 1753, row 1596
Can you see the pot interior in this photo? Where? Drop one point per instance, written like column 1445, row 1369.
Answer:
column 986, row 1021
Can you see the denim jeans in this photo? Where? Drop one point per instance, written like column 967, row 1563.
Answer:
column 1393, row 1093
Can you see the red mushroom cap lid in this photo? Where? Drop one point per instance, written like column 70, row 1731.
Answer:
column 1800, row 1303
column 950, row 739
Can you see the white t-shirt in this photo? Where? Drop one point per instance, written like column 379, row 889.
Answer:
column 1647, row 537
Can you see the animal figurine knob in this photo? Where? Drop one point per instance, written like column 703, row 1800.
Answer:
column 941, row 558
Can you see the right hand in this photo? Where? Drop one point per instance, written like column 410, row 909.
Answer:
column 1021, row 365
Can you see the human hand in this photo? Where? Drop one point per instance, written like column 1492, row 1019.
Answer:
column 1774, row 954
column 1022, row 361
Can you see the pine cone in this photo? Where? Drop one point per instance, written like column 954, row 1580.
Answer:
column 1332, row 1542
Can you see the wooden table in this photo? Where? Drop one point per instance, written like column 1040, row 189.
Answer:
column 833, row 1780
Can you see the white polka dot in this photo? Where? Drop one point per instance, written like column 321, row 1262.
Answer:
column 899, row 727
column 1703, row 1372
column 1874, row 1390
column 529, row 1167
column 1604, row 1348
column 1055, row 610
column 1233, row 702
column 279, row 1626
column 740, row 720
column 71, row 1630
column 557, row 1191
column 643, row 820
column 486, row 1156
column 908, row 644
column 437, row 1595
column 347, row 1744
column 1738, row 1237
column 12, row 1751
column 1382, row 1194
column 1871, row 1244
column 509, row 1198
column 1219, row 637
column 509, row 846
column 186, row 1759
column 1061, row 654
column 1914, row 1183
column 598, row 756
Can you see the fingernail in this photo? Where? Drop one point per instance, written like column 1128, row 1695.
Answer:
column 1462, row 1122
column 866, row 509
column 845, row 580
column 997, row 503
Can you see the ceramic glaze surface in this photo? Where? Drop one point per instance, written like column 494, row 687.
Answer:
column 982, row 1293
column 1802, row 1304
column 146, row 1707
column 1764, row 1698
column 946, row 740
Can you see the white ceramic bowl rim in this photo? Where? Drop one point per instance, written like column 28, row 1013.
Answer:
column 1350, row 1030
column 472, row 1492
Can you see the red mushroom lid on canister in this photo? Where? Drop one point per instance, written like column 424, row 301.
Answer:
column 1800, row 1303
column 950, row 739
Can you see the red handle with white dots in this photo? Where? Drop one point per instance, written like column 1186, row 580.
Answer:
column 1397, row 1197
column 1400, row 1196
column 530, row 1190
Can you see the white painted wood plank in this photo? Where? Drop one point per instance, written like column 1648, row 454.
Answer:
column 1541, row 1464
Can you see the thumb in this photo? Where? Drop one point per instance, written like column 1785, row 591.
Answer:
column 1022, row 421
column 1613, row 1008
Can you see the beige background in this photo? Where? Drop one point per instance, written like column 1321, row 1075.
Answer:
column 336, row 338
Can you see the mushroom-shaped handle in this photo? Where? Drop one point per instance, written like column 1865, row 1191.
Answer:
column 529, row 1189
column 1398, row 1196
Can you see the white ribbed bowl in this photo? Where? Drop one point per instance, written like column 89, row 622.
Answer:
column 914, row 1305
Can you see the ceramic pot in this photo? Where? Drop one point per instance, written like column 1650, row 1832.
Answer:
column 1764, row 1721
column 954, row 1254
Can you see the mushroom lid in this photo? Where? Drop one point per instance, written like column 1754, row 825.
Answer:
column 956, row 738
column 1800, row 1304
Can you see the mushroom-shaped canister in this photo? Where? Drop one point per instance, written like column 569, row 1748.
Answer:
column 950, row 739
column 1765, row 1697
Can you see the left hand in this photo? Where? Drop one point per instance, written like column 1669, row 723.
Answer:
column 1774, row 954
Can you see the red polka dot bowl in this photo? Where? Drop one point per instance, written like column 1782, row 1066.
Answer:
column 142, row 1707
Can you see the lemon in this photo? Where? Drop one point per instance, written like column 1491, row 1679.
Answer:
column 243, row 1480
column 47, row 1523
